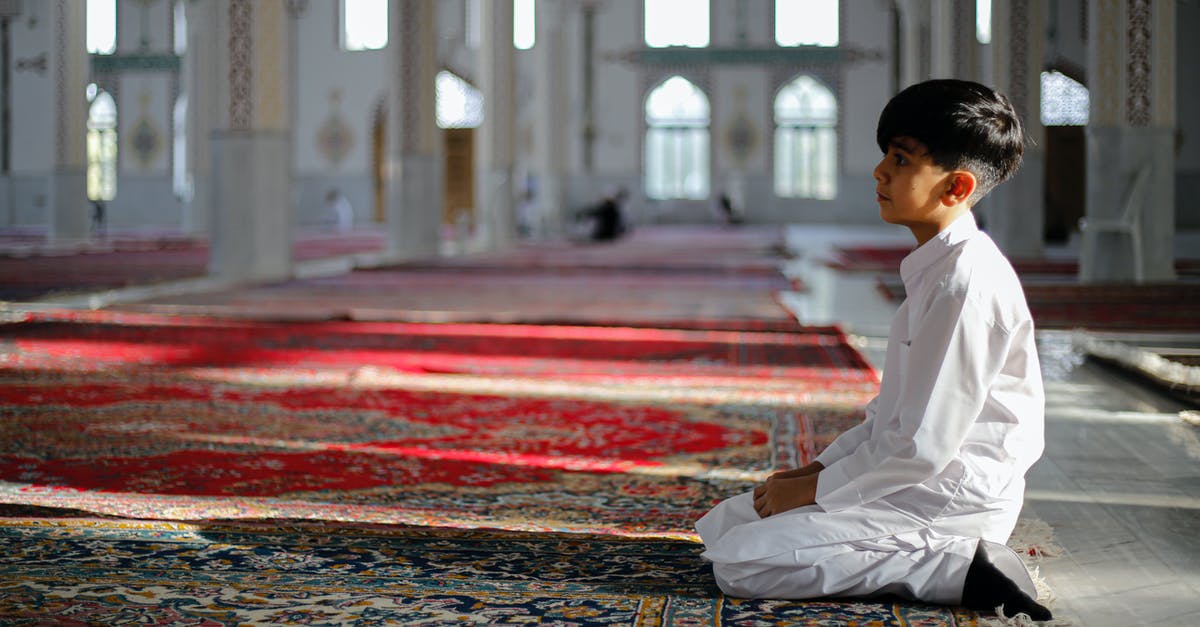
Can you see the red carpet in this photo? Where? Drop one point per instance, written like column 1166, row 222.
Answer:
column 615, row 430
column 39, row 272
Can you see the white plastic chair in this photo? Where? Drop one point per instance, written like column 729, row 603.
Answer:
column 1128, row 222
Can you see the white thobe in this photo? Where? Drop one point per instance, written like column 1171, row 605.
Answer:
column 938, row 463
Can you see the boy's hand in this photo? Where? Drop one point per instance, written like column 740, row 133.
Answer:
column 780, row 494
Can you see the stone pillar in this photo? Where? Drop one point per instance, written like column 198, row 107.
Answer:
column 495, row 145
column 550, row 150
column 69, row 210
column 915, row 46
column 1131, row 125
column 200, row 80
column 414, row 162
column 954, row 53
column 1014, row 212
column 251, row 229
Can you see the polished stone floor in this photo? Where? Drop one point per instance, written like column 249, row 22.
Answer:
column 1119, row 482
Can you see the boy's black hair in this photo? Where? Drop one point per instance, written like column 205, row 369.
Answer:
column 964, row 125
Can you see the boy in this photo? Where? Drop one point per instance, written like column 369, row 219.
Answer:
column 919, row 498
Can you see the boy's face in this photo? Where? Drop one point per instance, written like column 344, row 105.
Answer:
column 910, row 188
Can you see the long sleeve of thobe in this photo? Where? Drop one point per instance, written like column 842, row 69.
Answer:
column 850, row 439
column 947, row 366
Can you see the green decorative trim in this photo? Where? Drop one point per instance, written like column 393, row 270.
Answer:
column 740, row 56
column 112, row 63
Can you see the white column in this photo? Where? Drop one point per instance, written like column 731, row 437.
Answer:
column 550, row 148
column 495, row 149
column 915, row 46
column 251, row 228
column 1131, row 125
column 1014, row 212
column 414, row 168
column 69, row 210
column 200, row 80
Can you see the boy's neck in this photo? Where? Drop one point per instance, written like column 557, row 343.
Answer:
column 929, row 230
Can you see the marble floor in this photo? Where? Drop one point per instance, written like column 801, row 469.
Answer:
column 1119, row 482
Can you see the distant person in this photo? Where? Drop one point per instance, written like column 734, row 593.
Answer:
column 98, row 217
column 338, row 208
column 919, row 499
column 727, row 212
column 608, row 220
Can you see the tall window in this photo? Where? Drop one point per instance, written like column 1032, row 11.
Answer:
column 364, row 24
column 1064, row 100
column 983, row 21
column 806, row 22
column 101, row 146
column 677, row 141
column 101, row 26
column 524, row 24
column 180, row 27
column 676, row 23
column 805, row 140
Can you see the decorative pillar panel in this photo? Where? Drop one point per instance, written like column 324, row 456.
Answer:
column 414, row 172
column 550, row 151
column 1014, row 212
column 495, row 155
column 69, row 212
column 251, row 144
column 1131, row 70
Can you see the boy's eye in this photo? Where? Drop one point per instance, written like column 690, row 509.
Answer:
column 900, row 160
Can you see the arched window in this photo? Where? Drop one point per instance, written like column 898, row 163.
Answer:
column 676, row 23
column 677, row 141
column 459, row 104
column 101, row 146
column 1064, row 100
column 805, row 140
column 364, row 24
column 806, row 22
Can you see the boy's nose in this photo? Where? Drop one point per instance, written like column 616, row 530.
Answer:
column 878, row 172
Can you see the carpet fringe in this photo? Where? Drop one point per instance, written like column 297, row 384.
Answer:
column 1033, row 539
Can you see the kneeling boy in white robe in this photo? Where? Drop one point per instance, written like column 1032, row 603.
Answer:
column 919, row 498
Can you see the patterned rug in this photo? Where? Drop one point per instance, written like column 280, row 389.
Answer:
column 1150, row 307
column 83, row 571
column 888, row 258
column 177, row 470
column 38, row 271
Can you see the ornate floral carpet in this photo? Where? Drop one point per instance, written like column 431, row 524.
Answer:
column 182, row 470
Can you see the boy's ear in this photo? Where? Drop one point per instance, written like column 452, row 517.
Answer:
column 961, row 185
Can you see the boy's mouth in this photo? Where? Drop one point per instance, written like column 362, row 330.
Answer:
column 879, row 197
